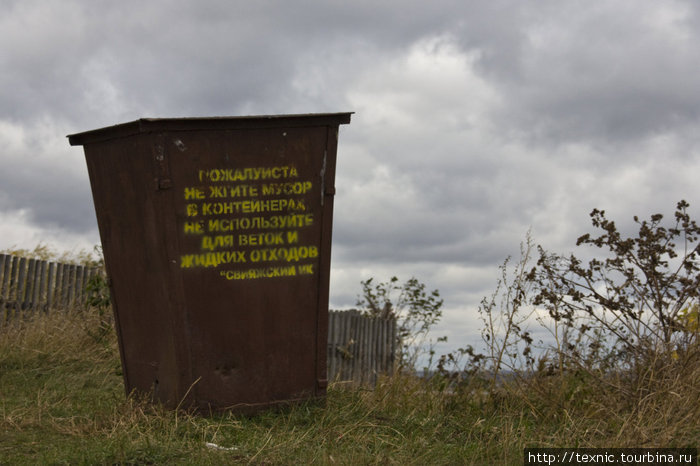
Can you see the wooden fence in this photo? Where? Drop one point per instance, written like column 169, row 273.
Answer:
column 359, row 347
column 35, row 285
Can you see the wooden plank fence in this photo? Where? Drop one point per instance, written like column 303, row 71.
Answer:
column 28, row 285
column 360, row 348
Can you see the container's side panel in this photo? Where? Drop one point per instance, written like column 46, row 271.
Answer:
column 327, row 196
column 127, row 198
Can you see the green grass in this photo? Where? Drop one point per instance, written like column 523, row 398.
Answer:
column 62, row 402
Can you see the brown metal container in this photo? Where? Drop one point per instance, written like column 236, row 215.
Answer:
column 216, row 235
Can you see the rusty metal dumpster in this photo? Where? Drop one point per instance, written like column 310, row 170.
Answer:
column 216, row 235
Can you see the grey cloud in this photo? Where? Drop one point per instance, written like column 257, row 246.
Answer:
column 55, row 202
column 184, row 58
column 559, row 107
column 600, row 72
column 55, row 195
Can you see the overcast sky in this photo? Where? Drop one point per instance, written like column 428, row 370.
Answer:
column 475, row 121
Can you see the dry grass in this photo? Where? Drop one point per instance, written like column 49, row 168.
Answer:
column 63, row 403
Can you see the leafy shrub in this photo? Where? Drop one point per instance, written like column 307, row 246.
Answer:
column 416, row 311
column 626, row 319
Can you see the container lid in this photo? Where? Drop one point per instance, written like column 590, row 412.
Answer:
column 150, row 125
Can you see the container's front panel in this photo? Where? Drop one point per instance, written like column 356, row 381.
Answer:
column 248, row 207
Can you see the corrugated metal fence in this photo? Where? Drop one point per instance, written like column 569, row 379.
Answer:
column 32, row 284
column 359, row 347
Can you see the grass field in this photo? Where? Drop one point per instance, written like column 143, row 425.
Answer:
column 62, row 402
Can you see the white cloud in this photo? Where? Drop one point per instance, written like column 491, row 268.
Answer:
column 18, row 230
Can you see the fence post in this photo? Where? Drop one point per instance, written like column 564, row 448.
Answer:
column 28, row 285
